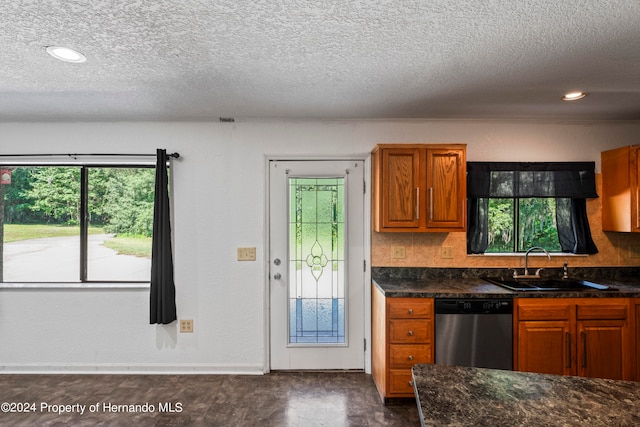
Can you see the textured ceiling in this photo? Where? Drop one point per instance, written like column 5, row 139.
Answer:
column 320, row 59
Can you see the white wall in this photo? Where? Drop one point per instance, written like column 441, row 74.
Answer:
column 219, row 206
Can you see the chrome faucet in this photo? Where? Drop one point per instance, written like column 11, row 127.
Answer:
column 526, row 274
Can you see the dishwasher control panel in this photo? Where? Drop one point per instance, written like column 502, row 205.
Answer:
column 458, row 306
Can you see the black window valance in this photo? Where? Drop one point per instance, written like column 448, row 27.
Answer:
column 570, row 183
column 573, row 180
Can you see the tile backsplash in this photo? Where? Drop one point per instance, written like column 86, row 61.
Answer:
column 426, row 249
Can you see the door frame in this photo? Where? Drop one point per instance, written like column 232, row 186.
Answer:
column 366, row 158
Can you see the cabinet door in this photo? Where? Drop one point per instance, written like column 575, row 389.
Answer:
column 400, row 190
column 446, row 188
column 635, row 189
column 620, row 189
column 604, row 349
column 636, row 339
column 545, row 347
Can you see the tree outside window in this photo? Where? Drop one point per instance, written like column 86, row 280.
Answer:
column 516, row 224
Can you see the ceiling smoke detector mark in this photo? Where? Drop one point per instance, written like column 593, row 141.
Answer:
column 398, row 252
column 246, row 254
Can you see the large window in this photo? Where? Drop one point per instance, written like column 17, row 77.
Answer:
column 76, row 223
column 513, row 206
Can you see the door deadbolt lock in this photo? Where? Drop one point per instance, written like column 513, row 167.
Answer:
column 276, row 261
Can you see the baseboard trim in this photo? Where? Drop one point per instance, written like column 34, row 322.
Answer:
column 122, row 369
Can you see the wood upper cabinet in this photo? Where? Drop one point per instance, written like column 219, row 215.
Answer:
column 587, row 337
column 419, row 187
column 620, row 188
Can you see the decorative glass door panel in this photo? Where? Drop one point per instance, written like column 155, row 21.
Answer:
column 316, row 261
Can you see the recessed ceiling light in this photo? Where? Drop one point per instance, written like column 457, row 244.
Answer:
column 573, row 96
column 66, row 54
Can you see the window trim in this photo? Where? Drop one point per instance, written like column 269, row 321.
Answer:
column 516, row 226
column 83, row 282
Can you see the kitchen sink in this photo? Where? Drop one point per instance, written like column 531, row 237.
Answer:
column 532, row 285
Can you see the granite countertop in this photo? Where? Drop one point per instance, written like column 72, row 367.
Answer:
column 452, row 395
column 467, row 283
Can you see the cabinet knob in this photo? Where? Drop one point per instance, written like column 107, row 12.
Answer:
column 411, row 383
column 411, row 311
column 410, row 333
column 410, row 357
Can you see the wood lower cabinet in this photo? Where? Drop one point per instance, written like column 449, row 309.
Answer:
column 402, row 335
column 419, row 187
column 588, row 337
column 636, row 354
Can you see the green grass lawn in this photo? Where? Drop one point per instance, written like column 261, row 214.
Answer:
column 138, row 246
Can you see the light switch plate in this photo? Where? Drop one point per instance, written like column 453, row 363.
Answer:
column 246, row 254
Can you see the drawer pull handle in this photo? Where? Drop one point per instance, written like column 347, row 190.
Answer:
column 411, row 311
column 410, row 333
column 410, row 357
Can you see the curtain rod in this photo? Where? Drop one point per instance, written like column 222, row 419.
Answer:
column 76, row 155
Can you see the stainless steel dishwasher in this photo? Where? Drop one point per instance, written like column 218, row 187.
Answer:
column 474, row 332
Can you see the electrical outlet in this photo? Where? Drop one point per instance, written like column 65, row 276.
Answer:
column 398, row 252
column 446, row 252
column 186, row 325
column 246, row 254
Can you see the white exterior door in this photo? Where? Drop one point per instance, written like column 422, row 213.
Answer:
column 316, row 257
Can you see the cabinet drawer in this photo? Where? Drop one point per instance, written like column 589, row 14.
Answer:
column 400, row 381
column 545, row 311
column 408, row 309
column 612, row 311
column 410, row 331
column 407, row 355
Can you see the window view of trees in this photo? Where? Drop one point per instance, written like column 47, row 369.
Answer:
column 45, row 202
column 518, row 224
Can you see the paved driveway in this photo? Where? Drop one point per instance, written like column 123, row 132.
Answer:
column 57, row 259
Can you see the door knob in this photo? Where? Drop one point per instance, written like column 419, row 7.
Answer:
column 277, row 276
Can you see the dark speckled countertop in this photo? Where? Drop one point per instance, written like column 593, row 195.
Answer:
column 467, row 283
column 451, row 395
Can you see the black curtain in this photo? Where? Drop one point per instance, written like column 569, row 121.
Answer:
column 163, row 290
column 570, row 183
column 477, row 225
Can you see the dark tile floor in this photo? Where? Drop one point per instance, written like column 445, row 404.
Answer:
column 277, row 399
